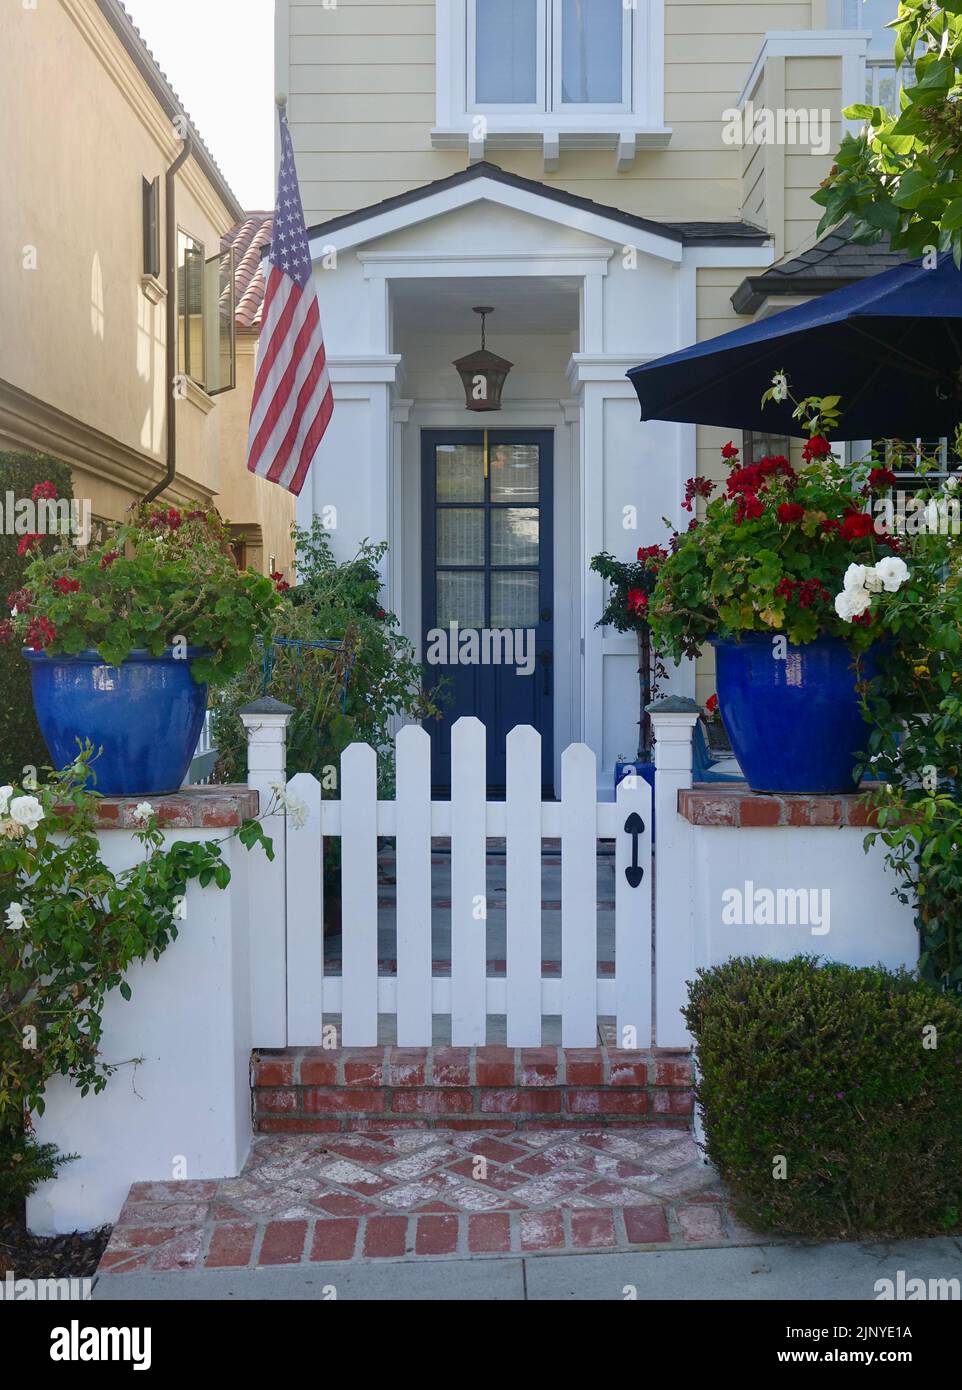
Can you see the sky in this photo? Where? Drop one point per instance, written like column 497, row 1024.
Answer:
column 219, row 58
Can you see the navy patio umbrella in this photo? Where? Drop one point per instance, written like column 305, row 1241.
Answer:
column 890, row 346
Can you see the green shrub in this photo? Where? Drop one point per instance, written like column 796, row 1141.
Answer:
column 24, row 1165
column 834, row 1068
column 21, row 743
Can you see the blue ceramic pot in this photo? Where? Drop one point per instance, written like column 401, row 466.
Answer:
column 145, row 715
column 795, row 725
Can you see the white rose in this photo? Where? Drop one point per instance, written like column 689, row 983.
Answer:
column 893, row 572
column 16, row 920
column 143, row 811
column 951, row 483
column 852, row 603
column 873, row 581
column 779, row 387
column 26, row 811
column 5, row 795
column 854, row 577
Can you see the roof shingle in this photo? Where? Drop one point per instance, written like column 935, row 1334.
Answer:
column 249, row 239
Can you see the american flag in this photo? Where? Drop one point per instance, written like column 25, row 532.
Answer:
column 293, row 400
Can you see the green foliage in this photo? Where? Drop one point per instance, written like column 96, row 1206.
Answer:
column 24, row 1165
column 630, row 586
column 914, row 710
column 339, row 601
column 771, row 553
column 834, row 1069
column 901, row 176
column 69, row 929
column 155, row 579
column 21, row 743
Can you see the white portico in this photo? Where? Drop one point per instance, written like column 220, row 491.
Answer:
column 580, row 293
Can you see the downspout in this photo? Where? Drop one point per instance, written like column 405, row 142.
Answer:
column 170, row 236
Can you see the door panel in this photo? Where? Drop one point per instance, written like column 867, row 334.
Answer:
column 488, row 568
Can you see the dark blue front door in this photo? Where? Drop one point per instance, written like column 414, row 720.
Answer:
column 487, row 588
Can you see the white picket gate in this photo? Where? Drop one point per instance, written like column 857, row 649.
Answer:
column 469, row 994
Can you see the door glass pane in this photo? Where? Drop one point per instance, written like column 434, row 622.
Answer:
column 506, row 46
column 514, row 473
column 514, row 599
column 460, row 598
column 460, row 536
column 514, row 536
column 591, row 51
column 460, row 472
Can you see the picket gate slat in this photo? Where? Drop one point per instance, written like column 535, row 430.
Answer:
column 305, row 918
column 468, row 883
column 523, row 886
column 413, row 879
column 359, row 896
column 579, row 897
column 633, row 918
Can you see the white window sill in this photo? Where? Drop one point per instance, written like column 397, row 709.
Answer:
column 197, row 396
column 590, row 133
column 153, row 289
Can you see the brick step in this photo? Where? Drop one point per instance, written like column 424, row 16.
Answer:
column 322, row 1090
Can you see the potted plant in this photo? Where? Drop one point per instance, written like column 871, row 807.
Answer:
column 782, row 575
column 124, row 636
column 630, row 586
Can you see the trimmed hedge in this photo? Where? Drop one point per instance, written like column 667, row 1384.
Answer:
column 833, row 1068
column 20, row 739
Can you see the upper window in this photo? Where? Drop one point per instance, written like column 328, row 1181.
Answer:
column 205, row 315
column 873, row 16
column 549, row 55
column 585, row 73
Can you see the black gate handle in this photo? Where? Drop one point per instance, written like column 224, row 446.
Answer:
column 634, row 826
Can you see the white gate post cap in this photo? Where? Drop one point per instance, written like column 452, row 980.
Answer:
column 265, row 713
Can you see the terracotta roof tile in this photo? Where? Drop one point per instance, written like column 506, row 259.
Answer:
column 249, row 239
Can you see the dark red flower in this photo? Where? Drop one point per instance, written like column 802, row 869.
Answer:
column 196, row 515
column 382, row 613
column 748, row 508
column 46, row 489
column 729, row 451
column 28, row 543
column 66, row 586
column 697, row 487
column 816, row 448
column 6, row 632
column 882, row 477
column 652, row 553
column 785, row 588
column 789, row 512
column 107, row 560
column 893, row 542
column 830, row 524
column 856, row 525
column 863, row 619
column 40, row 634
column 20, row 599
column 812, row 591
column 637, row 600
column 693, row 524
column 711, row 704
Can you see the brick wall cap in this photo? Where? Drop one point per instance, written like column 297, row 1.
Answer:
column 735, row 805
column 191, row 808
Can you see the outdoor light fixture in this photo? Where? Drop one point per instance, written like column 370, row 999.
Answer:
column 483, row 373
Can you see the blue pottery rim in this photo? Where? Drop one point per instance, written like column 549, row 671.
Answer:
column 758, row 638
column 91, row 657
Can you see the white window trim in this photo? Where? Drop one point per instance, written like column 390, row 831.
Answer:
column 532, row 109
column 583, row 127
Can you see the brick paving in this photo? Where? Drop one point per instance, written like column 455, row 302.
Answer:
column 418, row 1193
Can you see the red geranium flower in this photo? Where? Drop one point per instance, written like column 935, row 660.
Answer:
column 729, row 451
column 816, row 448
column 882, row 477
column 46, row 489
column 830, row 524
column 66, row 586
column 856, row 525
column 697, row 487
column 785, row 588
column 790, row 511
column 20, row 599
column 748, row 508
column 652, row 552
column 107, row 560
column 711, row 704
column 40, row 634
column 28, row 543
column 6, row 631
column 637, row 600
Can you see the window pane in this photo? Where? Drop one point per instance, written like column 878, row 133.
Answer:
column 506, row 47
column 514, row 599
column 460, row 536
column 514, row 473
column 592, row 35
column 872, row 15
column 460, row 472
column 514, row 536
column 219, row 323
column 190, row 306
column 460, row 598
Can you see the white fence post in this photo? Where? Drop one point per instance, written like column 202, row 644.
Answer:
column 266, row 723
column 673, row 721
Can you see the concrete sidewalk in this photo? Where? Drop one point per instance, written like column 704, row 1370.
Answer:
column 798, row 1273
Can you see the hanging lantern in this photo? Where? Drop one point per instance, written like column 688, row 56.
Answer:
column 483, row 373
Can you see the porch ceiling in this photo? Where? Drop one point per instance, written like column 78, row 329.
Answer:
column 547, row 304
